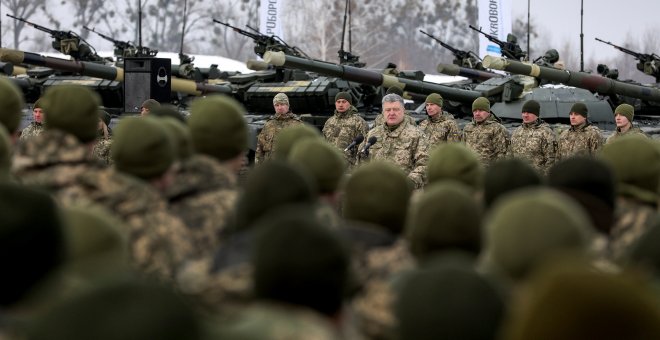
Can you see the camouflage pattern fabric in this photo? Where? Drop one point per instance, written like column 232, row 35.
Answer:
column 632, row 219
column 202, row 196
column 584, row 139
column 102, row 150
column 342, row 128
column 536, row 143
column 489, row 139
column 441, row 128
column 58, row 162
column 405, row 146
column 278, row 322
column 266, row 138
column 374, row 307
column 618, row 133
column 34, row 129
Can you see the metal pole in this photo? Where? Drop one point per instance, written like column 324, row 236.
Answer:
column 581, row 35
column 140, row 24
column 529, row 52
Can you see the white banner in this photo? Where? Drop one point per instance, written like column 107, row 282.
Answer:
column 270, row 17
column 494, row 19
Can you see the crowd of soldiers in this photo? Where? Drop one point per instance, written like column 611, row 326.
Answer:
column 401, row 231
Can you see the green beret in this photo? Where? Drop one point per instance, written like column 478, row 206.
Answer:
column 295, row 259
column 129, row 309
column 288, row 137
column 580, row 108
column 168, row 110
column 179, row 134
column 528, row 226
column 446, row 217
column 5, row 155
column 218, row 127
column 344, row 95
column 447, row 301
column 31, row 240
column 378, row 192
column 635, row 160
column 626, row 110
column 270, row 185
column 455, row 161
column 141, row 147
column 481, row 103
column 323, row 161
column 281, row 98
column 73, row 109
column 562, row 302
column 532, row 106
column 11, row 105
column 508, row 175
column 435, row 99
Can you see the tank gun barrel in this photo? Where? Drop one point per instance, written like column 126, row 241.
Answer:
column 368, row 77
column 102, row 71
column 455, row 70
column 591, row 82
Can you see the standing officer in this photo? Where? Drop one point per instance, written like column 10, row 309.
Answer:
column 534, row 140
column 582, row 137
column 282, row 118
column 485, row 135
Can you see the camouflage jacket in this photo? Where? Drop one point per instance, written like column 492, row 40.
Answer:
column 102, row 150
column 34, row 129
column 267, row 136
column 618, row 133
column 59, row 163
column 275, row 321
column 536, row 143
column 632, row 219
column 584, row 139
column 440, row 128
column 342, row 128
column 489, row 139
column 404, row 146
column 202, row 196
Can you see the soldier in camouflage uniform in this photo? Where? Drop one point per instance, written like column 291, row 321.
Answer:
column 534, row 140
column 344, row 126
column 36, row 126
column 59, row 160
column 104, row 139
column 581, row 138
column 398, row 141
column 485, row 135
column 376, row 199
column 440, row 126
column 623, row 116
column 282, row 118
column 205, row 186
column 635, row 160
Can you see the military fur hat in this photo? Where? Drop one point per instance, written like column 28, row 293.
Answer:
column 378, row 192
column 11, row 105
column 626, row 110
column 281, row 98
column 288, row 137
column 344, row 95
column 218, row 127
column 322, row 161
column 73, row 109
column 481, row 103
column 532, row 106
column 455, row 161
column 434, row 98
column 581, row 109
column 142, row 147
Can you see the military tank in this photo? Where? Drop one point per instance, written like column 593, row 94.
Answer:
column 645, row 99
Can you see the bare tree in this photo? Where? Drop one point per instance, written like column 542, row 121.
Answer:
column 23, row 9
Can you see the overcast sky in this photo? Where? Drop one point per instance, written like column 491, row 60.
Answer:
column 609, row 20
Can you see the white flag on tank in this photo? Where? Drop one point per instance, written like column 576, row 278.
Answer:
column 270, row 17
column 494, row 19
